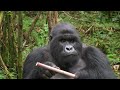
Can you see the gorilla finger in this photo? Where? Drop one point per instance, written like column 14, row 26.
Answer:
column 48, row 73
column 57, row 67
column 45, row 77
column 53, row 72
column 77, row 74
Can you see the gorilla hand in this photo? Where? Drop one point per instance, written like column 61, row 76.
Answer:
column 46, row 74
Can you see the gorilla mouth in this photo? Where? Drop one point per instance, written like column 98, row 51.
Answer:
column 70, row 55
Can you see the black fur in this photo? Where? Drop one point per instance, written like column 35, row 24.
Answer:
column 86, row 62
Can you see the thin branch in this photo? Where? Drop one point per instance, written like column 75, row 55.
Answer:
column 69, row 15
column 88, row 29
column 4, row 68
column 33, row 24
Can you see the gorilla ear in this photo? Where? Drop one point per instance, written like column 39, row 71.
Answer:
column 50, row 37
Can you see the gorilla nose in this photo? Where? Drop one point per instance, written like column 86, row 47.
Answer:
column 69, row 49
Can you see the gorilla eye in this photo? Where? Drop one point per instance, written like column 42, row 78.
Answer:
column 62, row 40
column 72, row 41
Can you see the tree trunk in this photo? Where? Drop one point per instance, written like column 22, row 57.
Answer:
column 4, row 48
column 49, row 21
column 11, row 46
column 20, row 38
column 13, row 27
column 1, row 32
column 56, row 17
column 52, row 18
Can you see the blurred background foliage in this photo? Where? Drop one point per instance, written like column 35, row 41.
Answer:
column 97, row 28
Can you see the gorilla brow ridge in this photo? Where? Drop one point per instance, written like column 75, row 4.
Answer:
column 66, row 31
column 68, row 37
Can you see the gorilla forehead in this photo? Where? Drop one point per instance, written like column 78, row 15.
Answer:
column 63, row 28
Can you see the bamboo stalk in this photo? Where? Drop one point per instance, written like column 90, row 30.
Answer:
column 55, row 69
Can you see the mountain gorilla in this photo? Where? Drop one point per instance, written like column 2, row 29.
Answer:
column 67, row 52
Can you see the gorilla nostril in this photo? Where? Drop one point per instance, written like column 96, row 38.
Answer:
column 69, row 48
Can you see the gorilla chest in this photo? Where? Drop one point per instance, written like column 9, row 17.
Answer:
column 80, row 65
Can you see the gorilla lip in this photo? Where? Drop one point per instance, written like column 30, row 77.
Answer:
column 70, row 55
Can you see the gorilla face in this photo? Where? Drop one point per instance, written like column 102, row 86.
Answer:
column 65, row 48
column 68, row 43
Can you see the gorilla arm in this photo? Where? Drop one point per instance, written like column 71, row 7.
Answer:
column 30, row 71
column 97, row 64
column 93, row 65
